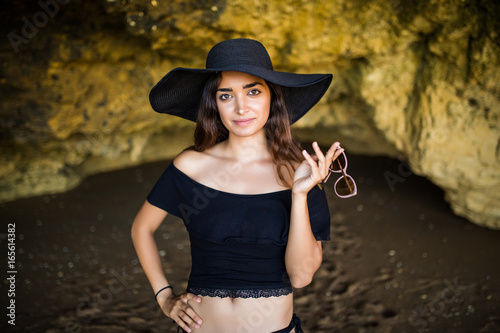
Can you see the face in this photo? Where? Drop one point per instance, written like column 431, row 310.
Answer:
column 244, row 102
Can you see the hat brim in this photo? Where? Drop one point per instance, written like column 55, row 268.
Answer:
column 179, row 92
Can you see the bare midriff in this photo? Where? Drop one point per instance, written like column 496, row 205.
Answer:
column 244, row 315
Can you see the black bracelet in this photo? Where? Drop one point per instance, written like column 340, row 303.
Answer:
column 159, row 291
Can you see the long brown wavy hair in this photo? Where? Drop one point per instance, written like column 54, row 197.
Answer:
column 285, row 149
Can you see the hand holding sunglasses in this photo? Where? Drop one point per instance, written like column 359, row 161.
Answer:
column 345, row 186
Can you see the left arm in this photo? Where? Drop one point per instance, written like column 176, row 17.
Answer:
column 303, row 254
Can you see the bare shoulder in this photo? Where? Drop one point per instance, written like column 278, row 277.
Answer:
column 200, row 166
column 190, row 161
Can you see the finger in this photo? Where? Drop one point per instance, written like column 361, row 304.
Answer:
column 338, row 151
column 337, row 154
column 179, row 321
column 319, row 153
column 183, row 325
column 195, row 319
column 183, row 319
column 309, row 159
column 190, row 311
column 192, row 297
column 188, row 322
column 314, row 166
column 335, row 149
column 324, row 162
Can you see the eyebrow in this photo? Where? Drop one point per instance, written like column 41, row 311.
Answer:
column 250, row 85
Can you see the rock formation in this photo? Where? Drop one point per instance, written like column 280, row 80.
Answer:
column 417, row 80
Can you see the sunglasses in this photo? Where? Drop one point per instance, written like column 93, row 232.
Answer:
column 345, row 186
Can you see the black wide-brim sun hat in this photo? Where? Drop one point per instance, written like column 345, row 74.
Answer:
column 179, row 92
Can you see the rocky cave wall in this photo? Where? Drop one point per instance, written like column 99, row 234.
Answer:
column 417, row 80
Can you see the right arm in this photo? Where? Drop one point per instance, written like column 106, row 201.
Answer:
column 145, row 224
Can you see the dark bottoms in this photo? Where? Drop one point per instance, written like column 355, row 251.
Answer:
column 294, row 323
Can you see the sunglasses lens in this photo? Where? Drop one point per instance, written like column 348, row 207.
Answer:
column 345, row 186
column 339, row 163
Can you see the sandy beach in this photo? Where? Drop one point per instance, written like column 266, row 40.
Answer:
column 399, row 260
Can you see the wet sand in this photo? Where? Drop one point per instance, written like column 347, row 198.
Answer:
column 399, row 260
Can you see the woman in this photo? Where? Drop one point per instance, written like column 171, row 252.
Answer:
column 246, row 192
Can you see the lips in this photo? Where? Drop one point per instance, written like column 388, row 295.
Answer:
column 243, row 122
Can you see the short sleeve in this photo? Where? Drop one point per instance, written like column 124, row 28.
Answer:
column 319, row 214
column 165, row 193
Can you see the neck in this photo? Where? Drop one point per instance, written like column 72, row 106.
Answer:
column 248, row 149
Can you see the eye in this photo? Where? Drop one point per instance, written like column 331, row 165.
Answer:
column 224, row 97
column 254, row 92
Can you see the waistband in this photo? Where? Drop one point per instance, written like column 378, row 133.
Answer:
column 267, row 291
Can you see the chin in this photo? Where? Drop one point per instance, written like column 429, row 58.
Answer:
column 246, row 132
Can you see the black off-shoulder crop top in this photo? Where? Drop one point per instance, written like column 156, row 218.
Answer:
column 238, row 241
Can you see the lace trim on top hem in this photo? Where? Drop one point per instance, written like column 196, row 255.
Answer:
column 240, row 293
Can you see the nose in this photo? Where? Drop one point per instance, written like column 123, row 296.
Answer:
column 241, row 105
